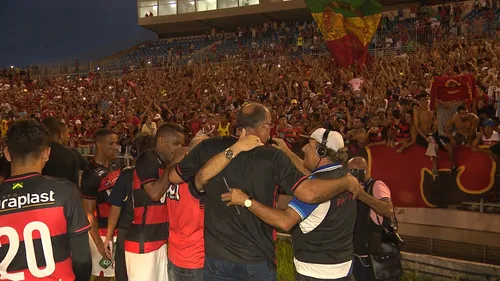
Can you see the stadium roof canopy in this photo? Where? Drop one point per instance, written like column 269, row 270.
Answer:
column 228, row 19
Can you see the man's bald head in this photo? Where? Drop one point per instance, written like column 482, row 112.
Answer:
column 358, row 163
column 196, row 140
column 252, row 114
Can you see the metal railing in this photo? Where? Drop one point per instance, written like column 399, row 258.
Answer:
column 122, row 161
column 399, row 39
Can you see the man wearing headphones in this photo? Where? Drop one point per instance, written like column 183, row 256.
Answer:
column 322, row 234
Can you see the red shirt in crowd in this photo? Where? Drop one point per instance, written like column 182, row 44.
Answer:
column 135, row 121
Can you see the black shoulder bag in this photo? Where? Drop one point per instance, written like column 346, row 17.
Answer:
column 385, row 257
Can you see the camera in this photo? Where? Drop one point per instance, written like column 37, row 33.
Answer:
column 359, row 174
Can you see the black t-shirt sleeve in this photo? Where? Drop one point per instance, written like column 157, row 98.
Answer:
column 119, row 191
column 285, row 174
column 90, row 184
column 76, row 219
column 192, row 162
column 194, row 191
column 148, row 167
column 4, row 167
column 75, row 172
column 82, row 162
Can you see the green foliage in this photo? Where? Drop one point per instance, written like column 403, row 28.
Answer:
column 284, row 258
column 415, row 276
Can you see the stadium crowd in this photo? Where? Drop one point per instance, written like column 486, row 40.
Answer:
column 303, row 93
column 151, row 113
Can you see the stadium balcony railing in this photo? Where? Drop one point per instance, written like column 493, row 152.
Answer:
column 156, row 54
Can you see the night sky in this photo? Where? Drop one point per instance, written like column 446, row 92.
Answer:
column 44, row 31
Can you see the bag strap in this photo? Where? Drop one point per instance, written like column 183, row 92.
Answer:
column 369, row 191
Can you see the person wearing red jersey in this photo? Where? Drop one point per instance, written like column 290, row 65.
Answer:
column 186, row 209
column 97, row 181
column 43, row 225
column 146, row 239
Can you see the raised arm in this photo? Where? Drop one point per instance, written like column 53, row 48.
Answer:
column 299, row 163
column 217, row 163
column 310, row 191
column 148, row 170
column 321, row 190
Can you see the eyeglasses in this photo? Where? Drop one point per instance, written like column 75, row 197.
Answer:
column 268, row 124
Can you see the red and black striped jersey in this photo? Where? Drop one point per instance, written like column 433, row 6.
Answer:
column 38, row 217
column 149, row 229
column 96, row 184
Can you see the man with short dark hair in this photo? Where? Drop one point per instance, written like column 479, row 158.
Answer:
column 121, row 213
column 461, row 128
column 240, row 246
column 426, row 126
column 97, row 181
column 41, row 217
column 63, row 163
column 146, row 240
column 321, row 233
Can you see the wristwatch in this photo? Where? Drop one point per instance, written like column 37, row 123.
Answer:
column 229, row 154
column 248, row 202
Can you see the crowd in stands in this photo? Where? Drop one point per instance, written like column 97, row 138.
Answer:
column 369, row 106
column 399, row 32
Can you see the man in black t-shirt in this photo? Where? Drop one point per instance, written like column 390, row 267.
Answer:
column 43, row 225
column 240, row 246
column 63, row 162
column 4, row 169
column 321, row 233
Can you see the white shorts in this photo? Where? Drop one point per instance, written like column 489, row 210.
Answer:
column 97, row 270
column 147, row 267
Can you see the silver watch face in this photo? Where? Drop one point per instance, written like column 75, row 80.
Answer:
column 248, row 203
column 229, row 154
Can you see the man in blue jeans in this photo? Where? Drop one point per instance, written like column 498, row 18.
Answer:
column 238, row 245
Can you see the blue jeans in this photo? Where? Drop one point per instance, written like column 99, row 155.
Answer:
column 176, row 273
column 217, row 270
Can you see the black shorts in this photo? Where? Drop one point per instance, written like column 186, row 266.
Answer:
column 495, row 149
column 459, row 139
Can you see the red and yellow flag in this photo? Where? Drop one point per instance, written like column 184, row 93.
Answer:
column 347, row 27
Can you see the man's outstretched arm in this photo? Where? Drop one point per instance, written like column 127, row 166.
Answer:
column 307, row 190
column 217, row 163
column 315, row 191
column 282, row 219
